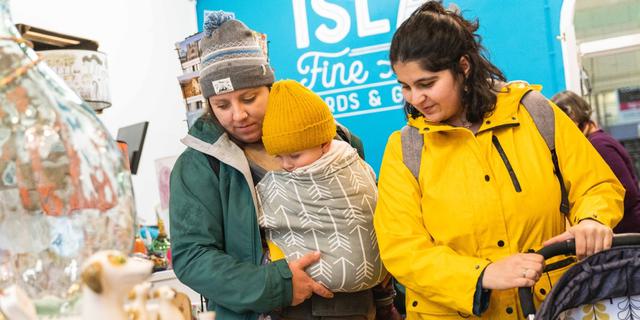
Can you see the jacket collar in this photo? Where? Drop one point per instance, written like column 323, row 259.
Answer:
column 209, row 138
column 505, row 113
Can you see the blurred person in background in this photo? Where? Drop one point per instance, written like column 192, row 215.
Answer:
column 613, row 153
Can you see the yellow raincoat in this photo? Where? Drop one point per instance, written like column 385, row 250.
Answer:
column 438, row 235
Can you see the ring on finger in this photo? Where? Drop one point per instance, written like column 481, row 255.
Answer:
column 524, row 272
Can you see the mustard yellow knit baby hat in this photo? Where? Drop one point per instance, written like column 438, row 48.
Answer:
column 296, row 119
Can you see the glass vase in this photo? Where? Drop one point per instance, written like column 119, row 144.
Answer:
column 65, row 192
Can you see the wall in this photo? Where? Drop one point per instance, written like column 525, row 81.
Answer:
column 349, row 34
column 138, row 38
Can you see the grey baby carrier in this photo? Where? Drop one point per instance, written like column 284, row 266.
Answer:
column 605, row 285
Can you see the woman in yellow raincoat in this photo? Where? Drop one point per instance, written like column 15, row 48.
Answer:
column 457, row 237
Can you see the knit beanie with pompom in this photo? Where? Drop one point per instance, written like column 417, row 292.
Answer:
column 232, row 58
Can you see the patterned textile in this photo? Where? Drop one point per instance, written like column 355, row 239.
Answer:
column 616, row 308
column 602, row 286
column 328, row 207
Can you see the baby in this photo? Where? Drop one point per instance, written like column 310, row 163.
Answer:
column 324, row 199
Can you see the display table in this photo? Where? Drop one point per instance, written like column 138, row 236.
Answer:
column 168, row 278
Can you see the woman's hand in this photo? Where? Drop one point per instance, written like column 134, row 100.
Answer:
column 303, row 286
column 591, row 237
column 519, row 270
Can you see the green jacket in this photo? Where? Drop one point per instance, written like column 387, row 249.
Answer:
column 215, row 239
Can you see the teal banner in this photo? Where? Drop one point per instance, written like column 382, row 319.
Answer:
column 339, row 49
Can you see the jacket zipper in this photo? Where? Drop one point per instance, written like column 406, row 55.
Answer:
column 503, row 156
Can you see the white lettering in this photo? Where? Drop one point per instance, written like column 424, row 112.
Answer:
column 331, row 103
column 389, row 73
column 331, row 82
column 365, row 26
column 356, row 70
column 405, row 8
column 316, row 66
column 374, row 98
column 335, row 13
column 342, row 103
column 396, row 94
column 355, row 103
column 301, row 24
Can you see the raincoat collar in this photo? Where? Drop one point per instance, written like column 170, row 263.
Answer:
column 505, row 113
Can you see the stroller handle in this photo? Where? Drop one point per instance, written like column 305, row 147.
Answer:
column 566, row 248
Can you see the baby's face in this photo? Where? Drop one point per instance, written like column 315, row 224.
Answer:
column 292, row 161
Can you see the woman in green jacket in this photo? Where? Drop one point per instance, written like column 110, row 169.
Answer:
column 217, row 247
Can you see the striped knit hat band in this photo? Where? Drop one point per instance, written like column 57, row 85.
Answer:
column 232, row 59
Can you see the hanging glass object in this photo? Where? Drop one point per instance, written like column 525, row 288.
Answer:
column 65, row 192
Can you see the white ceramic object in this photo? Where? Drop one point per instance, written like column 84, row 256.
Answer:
column 108, row 276
column 139, row 295
column 166, row 308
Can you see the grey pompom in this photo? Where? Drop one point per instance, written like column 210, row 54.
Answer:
column 214, row 19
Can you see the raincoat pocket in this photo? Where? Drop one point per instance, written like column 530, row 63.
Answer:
column 548, row 279
column 424, row 309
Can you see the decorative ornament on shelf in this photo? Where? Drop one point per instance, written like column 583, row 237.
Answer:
column 85, row 72
column 139, row 246
column 161, row 247
column 76, row 60
column 65, row 192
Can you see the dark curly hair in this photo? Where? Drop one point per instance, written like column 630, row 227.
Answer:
column 437, row 39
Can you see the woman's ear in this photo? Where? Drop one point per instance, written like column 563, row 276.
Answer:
column 465, row 65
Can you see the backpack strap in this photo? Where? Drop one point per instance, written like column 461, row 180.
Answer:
column 412, row 144
column 214, row 163
column 540, row 110
column 343, row 132
column 544, row 119
column 542, row 113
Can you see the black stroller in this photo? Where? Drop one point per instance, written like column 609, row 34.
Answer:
column 603, row 286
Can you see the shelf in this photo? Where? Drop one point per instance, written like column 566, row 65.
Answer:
column 188, row 76
column 162, row 275
column 190, row 63
column 195, row 99
column 168, row 278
